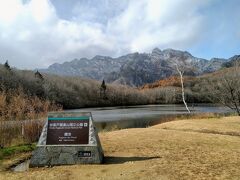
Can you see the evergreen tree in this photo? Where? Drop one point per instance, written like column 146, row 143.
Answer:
column 103, row 90
column 39, row 75
column 103, row 86
column 6, row 65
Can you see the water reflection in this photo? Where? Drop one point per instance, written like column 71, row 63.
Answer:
column 145, row 115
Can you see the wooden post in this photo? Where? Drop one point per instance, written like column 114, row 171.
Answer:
column 22, row 126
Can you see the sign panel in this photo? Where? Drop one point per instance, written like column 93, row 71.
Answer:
column 68, row 130
column 84, row 154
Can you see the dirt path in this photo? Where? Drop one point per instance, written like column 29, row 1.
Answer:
column 174, row 150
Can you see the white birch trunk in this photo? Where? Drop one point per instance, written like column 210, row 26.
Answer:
column 183, row 94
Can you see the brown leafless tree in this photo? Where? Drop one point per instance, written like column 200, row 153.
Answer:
column 225, row 89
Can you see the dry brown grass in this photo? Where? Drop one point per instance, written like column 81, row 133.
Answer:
column 174, row 150
column 16, row 106
column 218, row 125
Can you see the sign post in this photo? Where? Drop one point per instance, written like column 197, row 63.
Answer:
column 68, row 138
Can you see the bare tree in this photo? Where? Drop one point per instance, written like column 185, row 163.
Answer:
column 181, row 66
column 181, row 72
column 225, row 89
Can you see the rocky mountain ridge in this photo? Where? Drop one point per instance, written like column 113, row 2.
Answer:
column 136, row 69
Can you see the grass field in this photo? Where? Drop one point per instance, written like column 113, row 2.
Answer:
column 185, row 149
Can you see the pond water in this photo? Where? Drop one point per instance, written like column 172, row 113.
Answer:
column 144, row 115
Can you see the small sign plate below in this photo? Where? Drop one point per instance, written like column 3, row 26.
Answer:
column 84, row 154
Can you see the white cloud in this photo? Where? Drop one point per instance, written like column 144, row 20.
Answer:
column 33, row 35
column 9, row 11
column 41, row 10
column 150, row 23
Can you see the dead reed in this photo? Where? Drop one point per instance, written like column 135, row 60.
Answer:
column 16, row 109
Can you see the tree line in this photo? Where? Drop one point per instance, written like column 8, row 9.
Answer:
column 77, row 92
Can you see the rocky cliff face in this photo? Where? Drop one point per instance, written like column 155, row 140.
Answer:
column 138, row 68
column 233, row 61
column 94, row 68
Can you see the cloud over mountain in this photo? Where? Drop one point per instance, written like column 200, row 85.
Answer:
column 36, row 33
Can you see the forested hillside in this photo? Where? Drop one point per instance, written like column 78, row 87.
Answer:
column 33, row 92
column 68, row 92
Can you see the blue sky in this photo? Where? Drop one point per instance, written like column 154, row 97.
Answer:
column 37, row 33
